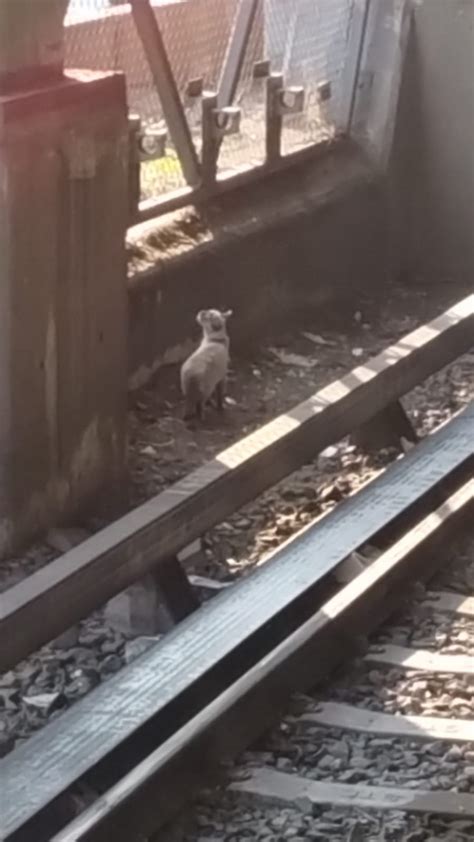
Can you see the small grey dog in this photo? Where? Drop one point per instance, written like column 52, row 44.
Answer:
column 204, row 373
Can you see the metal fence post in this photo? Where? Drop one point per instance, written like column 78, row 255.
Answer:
column 355, row 51
column 210, row 144
column 161, row 71
column 134, row 128
column 274, row 119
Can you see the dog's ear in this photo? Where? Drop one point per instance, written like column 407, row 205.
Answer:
column 227, row 314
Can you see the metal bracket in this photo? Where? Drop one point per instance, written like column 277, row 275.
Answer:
column 226, row 121
column 194, row 88
column 290, row 100
column 151, row 144
column 324, row 91
column 261, row 69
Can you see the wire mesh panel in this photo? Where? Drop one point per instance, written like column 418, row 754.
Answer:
column 101, row 34
column 247, row 148
column 309, row 41
column 211, row 22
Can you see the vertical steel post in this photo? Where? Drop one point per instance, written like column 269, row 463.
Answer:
column 134, row 127
column 355, row 51
column 274, row 120
column 210, row 144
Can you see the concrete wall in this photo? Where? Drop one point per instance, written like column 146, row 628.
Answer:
column 63, row 319
column 274, row 251
column 432, row 167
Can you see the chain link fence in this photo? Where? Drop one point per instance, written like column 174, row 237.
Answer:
column 311, row 42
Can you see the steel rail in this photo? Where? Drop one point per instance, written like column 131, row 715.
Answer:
column 116, row 726
column 153, row 792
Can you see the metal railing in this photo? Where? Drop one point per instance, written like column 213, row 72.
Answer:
column 221, row 90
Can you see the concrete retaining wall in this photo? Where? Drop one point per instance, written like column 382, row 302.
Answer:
column 272, row 252
column 432, row 167
column 63, row 212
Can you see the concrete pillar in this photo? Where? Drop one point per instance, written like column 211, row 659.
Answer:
column 31, row 41
column 63, row 216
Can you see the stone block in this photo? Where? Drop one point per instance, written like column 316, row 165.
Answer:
column 138, row 610
column 154, row 604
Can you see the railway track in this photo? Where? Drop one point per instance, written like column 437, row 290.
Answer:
column 247, row 707
column 384, row 750
column 152, row 791
column 149, row 737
